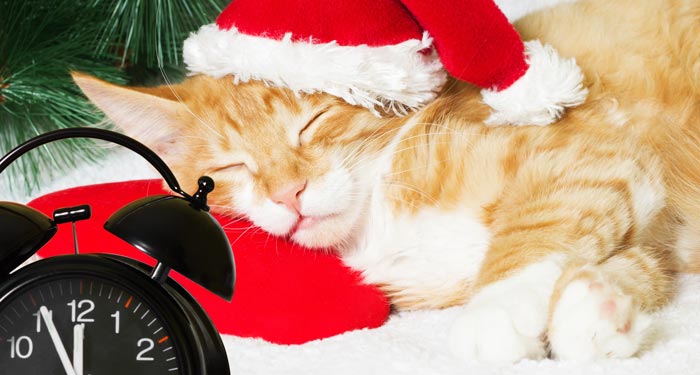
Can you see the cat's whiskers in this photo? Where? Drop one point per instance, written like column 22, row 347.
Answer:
column 230, row 229
column 231, row 220
column 233, row 242
column 358, row 197
column 404, row 185
column 417, row 168
column 206, row 125
column 350, row 161
column 230, row 212
column 393, row 152
column 464, row 134
column 191, row 137
column 360, row 147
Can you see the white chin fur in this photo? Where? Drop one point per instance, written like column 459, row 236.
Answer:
column 273, row 218
column 328, row 233
column 332, row 198
column 539, row 97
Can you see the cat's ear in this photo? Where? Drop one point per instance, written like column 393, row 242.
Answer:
column 150, row 115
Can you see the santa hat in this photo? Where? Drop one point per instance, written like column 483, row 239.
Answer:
column 388, row 55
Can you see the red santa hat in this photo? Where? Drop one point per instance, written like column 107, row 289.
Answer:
column 388, row 55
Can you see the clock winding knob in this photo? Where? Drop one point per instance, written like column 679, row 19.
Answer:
column 199, row 199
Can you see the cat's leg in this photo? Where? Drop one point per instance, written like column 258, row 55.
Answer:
column 600, row 310
column 547, row 219
column 505, row 320
column 533, row 243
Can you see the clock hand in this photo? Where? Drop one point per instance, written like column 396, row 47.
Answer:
column 78, row 337
column 60, row 349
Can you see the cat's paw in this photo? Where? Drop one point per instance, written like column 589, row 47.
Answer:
column 593, row 319
column 499, row 331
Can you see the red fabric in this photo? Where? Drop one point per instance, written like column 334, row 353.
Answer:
column 284, row 293
column 474, row 39
column 348, row 22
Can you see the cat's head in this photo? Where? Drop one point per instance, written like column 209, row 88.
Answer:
column 295, row 165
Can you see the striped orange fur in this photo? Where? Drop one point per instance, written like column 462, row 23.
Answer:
column 611, row 192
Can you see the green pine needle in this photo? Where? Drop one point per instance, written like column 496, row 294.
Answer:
column 151, row 32
column 40, row 43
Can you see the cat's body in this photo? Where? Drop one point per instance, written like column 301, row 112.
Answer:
column 564, row 234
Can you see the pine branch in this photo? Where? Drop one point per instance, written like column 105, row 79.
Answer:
column 150, row 33
column 41, row 42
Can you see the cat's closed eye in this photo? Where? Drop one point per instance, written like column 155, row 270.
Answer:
column 230, row 167
column 235, row 162
column 306, row 131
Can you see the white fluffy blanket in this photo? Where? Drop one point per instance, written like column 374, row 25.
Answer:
column 414, row 343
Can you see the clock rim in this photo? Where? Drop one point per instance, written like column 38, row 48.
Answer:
column 198, row 345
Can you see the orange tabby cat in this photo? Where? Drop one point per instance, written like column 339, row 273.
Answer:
column 557, row 239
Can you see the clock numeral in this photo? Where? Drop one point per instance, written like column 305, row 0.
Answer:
column 149, row 346
column 85, row 304
column 38, row 320
column 116, row 321
column 19, row 348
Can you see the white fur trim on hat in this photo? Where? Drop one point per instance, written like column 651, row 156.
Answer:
column 540, row 96
column 394, row 78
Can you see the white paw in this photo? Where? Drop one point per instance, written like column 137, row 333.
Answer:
column 593, row 319
column 500, row 329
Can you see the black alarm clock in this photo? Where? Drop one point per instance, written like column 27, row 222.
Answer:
column 102, row 314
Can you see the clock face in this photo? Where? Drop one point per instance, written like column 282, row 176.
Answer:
column 84, row 325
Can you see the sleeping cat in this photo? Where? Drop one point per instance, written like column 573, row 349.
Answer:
column 556, row 241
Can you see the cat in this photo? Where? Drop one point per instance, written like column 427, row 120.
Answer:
column 555, row 241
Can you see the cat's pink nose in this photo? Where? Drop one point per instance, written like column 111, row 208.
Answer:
column 289, row 194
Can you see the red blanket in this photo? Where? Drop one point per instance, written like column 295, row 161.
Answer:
column 284, row 293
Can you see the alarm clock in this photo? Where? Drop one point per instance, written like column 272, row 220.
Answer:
column 102, row 314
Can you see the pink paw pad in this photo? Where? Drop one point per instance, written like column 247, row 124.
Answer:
column 594, row 319
column 607, row 309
